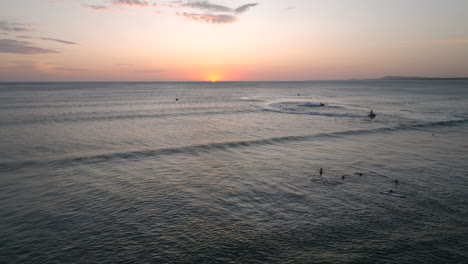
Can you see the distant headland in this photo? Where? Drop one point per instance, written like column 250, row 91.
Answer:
column 409, row 78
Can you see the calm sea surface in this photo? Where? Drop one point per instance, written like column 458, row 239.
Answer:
column 229, row 172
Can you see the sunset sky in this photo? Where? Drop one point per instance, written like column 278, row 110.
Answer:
column 231, row 40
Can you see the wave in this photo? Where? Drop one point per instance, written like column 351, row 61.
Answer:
column 31, row 104
column 313, row 108
column 74, row 119
column 318, row 113
column 313, row 104
column 220, row 146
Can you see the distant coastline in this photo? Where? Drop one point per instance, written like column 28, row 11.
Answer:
column 415, row 78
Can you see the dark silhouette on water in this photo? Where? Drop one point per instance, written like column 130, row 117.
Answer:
column 322, row 104
column 396, row 181
column 342, row 177
column 372, row 114
column 321, row 171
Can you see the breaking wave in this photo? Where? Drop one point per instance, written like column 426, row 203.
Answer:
column 221, row 146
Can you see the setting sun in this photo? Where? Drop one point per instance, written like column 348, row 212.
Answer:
column 213, row 77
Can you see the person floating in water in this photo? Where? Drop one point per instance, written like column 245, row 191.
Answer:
column 322, row 104
column 342, row 177
column 396, row 182
column 372, row 114
column 321, row 171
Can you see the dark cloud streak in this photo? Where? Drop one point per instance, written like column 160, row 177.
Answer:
column 244, row 8
column 223, row 18
column 21, row 47
column 13, row 27
column 60, row 41
column 205, row 5
column 131, row 2
column 210, row 18
column 97, row 7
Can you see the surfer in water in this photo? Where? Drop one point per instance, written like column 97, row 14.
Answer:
column 372, row 114
column 321, row 171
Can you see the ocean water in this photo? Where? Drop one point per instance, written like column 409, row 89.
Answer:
column 229, row 172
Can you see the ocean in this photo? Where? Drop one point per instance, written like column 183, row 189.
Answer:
column 228, row 172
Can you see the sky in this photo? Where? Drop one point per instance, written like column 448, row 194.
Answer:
column 231, row 40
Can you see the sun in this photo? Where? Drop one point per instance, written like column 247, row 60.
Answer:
column 213, row 77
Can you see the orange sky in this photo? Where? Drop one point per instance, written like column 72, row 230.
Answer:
column 143, row 40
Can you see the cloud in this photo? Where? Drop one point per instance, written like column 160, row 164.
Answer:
column 24, row 37
column 21, row 47
column 97, row 7
column 205, row 5
column 69, row 69
column 60, row 41
column 209, row 18
column 219, row 14
column 130, row 2
column 215, row 13
column 243, row 8
column 7, row 26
